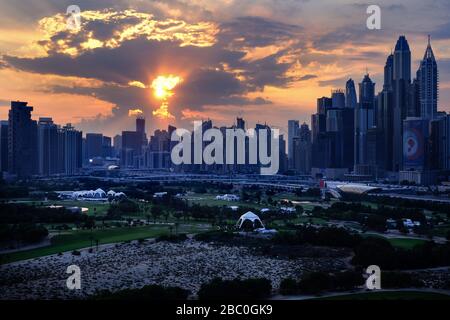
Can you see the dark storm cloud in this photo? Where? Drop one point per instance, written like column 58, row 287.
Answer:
column 256, row 32
column 307, row 77
column 141, row 59
column 355, row 34
column 336, row 83
column 442, row 32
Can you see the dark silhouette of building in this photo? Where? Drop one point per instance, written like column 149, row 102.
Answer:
column 131, row 148
column 94, row 145
column 323, row 104
column 401, row 85
column 48, row 144
column 22, row 140
column 338, row 99
column 3, row 146
column 364, row 119
column 350, row 94
column 302, row 150
column 72, row 151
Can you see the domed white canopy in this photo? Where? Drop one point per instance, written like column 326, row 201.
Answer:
column 253, row 218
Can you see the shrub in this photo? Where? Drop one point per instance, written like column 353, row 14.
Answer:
column 288, row 286
column 218, row 289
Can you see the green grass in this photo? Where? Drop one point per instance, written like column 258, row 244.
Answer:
column 82, row 239
column 404, row 243
column 95, row 208
column 391, row 295
column 318, row 221
column 210, row 200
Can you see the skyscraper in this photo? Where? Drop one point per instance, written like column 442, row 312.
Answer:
column 107, row 150
column 131, row 148
column 428, row 77
column 94, row 145
column 350, row 94
column 385, row 116
column 47, row 146
column 302, row 150
column 364, row 119
column 338, row 99
column 140, row 127
column 401, row 84
column 72, row 149
column 323, row 104
column 22, row 140
column 3, row 146
column 293, row 131
column 117, row 142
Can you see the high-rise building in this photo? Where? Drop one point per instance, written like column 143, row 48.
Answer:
column 158, row 153
column 323, row 104
column 94, row 145
column 22, row 140
column 414, row 99
column 428, row 77
column 415, row 144
column 401, row 85
column 107, row 150
column 338, row 99
column 318, row 125
column 385, row 116
column 350, row 94
column 47, row 147
column 240, row 123
column 293, row 131
column 131, row 148
column 438, row 151
column 3, row 146
column 302, row 151
column 117, row 143
column 73, row 155
column 364, row 119
column 140, row 127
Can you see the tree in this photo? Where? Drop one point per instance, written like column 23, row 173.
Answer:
column 156, row 212
column 288, row 286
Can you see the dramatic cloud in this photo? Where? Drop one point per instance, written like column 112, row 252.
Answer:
column 257, row 58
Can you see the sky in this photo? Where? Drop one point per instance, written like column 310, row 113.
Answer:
column 176, row 61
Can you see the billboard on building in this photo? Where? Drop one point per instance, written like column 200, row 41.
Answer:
column 415, row 136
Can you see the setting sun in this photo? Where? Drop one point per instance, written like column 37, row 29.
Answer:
column 162, row 90
column 163, row 85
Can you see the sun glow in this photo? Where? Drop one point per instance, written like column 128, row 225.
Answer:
column 162, row 90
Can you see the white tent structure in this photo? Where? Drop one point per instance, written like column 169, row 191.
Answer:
column 99, row 193
column 253, row 218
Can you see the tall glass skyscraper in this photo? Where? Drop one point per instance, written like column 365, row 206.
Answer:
column 364, row 118
column 428, row 78
column 350, row 94
column 401, row 85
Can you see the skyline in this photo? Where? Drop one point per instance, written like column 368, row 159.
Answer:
column 220, row 58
